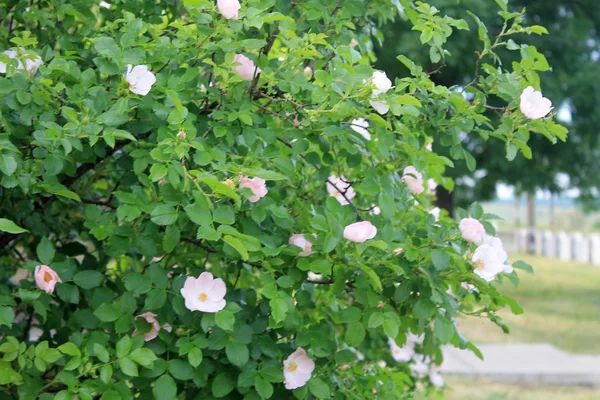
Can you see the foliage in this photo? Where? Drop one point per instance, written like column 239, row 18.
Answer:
column 125, row 195
column 571, row 50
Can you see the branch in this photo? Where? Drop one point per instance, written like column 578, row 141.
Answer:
column 198, row 243
column 337, row 7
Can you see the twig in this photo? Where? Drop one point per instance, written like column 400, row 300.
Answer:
column 198, row 243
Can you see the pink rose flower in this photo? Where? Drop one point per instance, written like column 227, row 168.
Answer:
column 153, row 332
column 257, row 185
column 471, row 230
column 413, row 179
column 245, row 67
column 45, row 278
column 299, row 240
column 204, row 293
column 297, row 369
column 360, row 232
column 229, row 8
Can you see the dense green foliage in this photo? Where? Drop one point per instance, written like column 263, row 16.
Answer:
column 126, row 195
column 572, row 49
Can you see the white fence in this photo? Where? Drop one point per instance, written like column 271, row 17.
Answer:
column 561, row 245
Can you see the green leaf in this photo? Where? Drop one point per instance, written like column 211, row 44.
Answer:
column 350, row 314
column 88, row 279
column 195, row 356
column 440, row 259
column 237, row 353
column 164, row 214
column 123, row 346
column 225, row 320
column 237, row 245
column 279, row 309
column 45, row 251
column 221, row 385
column 355, row 334
column 8, row 164
column 101, row 352
column 171, row 238
column 107, row 47
column 6, row 225
column 524, row 266
column 7, row 316
column 144, row 357
column 164, row 388
column 224, row 215
column 128, row 367
column 108, row 312
column 263, row 387
column 319, row 388
column 443, row 329
column 70, row 349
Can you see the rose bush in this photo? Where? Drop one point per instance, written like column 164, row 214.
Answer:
column 193, row 207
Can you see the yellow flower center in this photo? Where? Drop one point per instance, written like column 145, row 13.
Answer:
column 293, row 367
column 203, row 296
column 479, row 264
column 47, row 277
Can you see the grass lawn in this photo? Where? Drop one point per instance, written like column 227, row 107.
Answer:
column 461, row 388
column 561, row 303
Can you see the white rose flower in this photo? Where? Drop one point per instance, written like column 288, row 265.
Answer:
column 32, row 64
column 140, row 79
column 382, row 85
column 360, row 126
column 533, row 104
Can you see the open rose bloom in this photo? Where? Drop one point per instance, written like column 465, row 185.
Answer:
column 154, row 326
column 32, row 63
column 360, row 232
column 204, row 293
column 533, row 105
column 229, row 8
column 297, row 369
column 361, row 126
column 45, row 278
column 490, row 258
column 340, row 189
column 471, row 230
column 140, row 79
column 245, row 67
column 413, row 179
column 257, row 185
column 382, row 85
column 300, row 241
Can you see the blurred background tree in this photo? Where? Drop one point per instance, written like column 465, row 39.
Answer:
column 572, row 49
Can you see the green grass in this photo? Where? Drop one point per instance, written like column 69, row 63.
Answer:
column 561, row 303
column 462, row 388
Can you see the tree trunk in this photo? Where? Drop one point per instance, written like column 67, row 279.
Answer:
column 531, row 223
column 445, row 200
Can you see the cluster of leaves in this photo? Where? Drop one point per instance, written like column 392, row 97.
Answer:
column 124, row 196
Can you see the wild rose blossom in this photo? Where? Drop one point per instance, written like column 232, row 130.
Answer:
column 154, row 326
column 297, row 369
column 360, row 126
column 229, row 8
column 46, row 278
column 471, row 230
column 299, row 240
column 257, row 185
column 342, row 184
column 360, row 232
column 382, row 85
column 140, row 79
column 204, row 293
column 533, row 105
column 245, row 67
column 404, row 353
column 413, row 179
column 31, row 64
